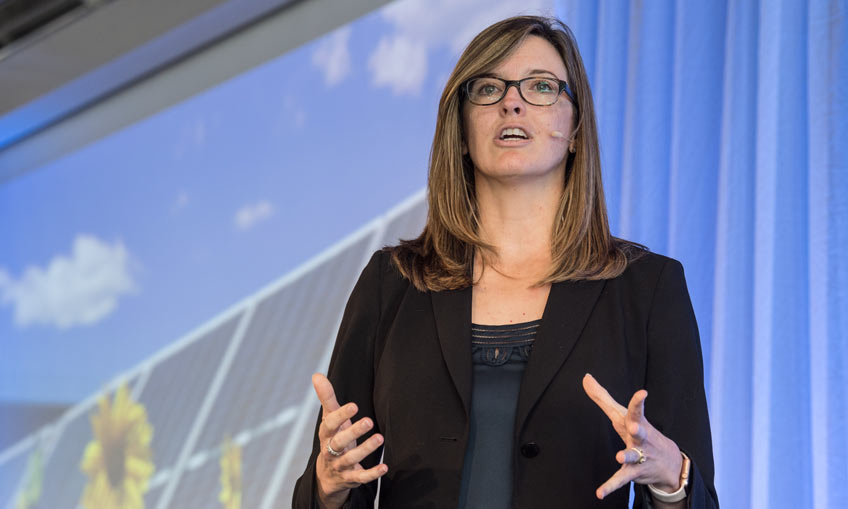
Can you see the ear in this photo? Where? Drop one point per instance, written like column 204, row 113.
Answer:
column 464, row 148
column 572, row 147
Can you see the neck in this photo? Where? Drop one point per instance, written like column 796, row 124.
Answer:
column 516, row 218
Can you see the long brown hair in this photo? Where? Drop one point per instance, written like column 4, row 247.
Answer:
column 581, row 244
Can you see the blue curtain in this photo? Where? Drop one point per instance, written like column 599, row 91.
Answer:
column 724, row 131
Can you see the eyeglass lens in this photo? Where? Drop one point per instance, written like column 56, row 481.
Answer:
column 536, row 91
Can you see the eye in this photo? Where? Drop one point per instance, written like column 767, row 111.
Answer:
column 543, row 86
column 485, row 88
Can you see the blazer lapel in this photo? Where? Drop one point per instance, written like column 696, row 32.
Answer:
column 452, row 310
column 568, row 308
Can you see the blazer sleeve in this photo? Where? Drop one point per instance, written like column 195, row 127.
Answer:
column 351, row 372
column 676, row 403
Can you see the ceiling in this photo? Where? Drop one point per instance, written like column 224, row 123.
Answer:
column 55, row 83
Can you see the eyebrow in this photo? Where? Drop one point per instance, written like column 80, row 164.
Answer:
column 533, row 72
column 542, row 71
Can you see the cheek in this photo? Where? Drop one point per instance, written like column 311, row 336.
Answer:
column 474, row 135
column 471, row 127
column 564, row 120
column 570, row 119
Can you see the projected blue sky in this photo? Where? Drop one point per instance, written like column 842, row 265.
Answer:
column 121, row 247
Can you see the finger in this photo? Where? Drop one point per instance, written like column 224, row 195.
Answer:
column 325, row 392
column 624, row 475
column 366, row 476
column 628, row 456
column 636, row 407
column 334, row 422
column 602, row 398
column 636, row 416
column 638, row 433
column 360, row 452
column 347, row 437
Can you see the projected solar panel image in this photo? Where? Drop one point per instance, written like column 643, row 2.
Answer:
column 227, row 411
column 176, row 388
column 282, row 346
column 62, row 470
column 405, row 226
column 12, row 470
column 201, row 486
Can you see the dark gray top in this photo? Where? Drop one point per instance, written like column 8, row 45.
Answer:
column 499, row 354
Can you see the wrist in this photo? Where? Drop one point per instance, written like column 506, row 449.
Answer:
column 674, row 478
column 666, row 493
column 672, row 484
column 330, row 500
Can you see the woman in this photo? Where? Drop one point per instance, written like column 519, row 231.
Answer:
column 464, row 354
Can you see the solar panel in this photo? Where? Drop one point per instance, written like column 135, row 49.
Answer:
column 151, row 498
column 262, row 354
column 283, row 346
column 12, row 471
column 62, row 473
column 201, row 486
column 303, row 448
column 408, row 223
column 176, row 387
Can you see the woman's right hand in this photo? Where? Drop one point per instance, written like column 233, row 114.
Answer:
column 338, row 474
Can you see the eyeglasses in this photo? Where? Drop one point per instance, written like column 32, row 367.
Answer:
column 534, row 90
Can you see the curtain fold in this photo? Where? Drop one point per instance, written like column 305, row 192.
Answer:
column 609, row 81
column 827, row 78
column 731, row 388
column 724, row 132
column 781, row 318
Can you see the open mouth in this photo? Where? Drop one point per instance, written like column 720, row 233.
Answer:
column 514, row 133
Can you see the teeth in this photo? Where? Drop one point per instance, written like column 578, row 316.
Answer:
column 513, row 131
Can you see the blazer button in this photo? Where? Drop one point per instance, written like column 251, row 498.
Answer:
column 530, row 450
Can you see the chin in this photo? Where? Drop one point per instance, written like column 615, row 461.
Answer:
column 507, row 174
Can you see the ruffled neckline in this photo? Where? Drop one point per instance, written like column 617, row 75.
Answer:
column 495, row 345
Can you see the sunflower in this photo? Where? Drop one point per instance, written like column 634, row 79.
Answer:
column 118, row 461
column 34, row 476
column 230, row 495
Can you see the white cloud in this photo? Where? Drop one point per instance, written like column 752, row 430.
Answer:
column 247, row 216
column 80, row 289
column 333, row 57
column 199, row 132
column 289, row 114
column 400, row 63
column 191, row 137
column 452, row 23
column 180, row 202
column 300, row 119
column 423, row 25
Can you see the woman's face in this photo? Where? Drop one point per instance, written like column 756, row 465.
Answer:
column 534, row 152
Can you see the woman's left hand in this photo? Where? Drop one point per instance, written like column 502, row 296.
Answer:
column 662, row 461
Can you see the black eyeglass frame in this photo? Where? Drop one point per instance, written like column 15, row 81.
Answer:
column 563, row 87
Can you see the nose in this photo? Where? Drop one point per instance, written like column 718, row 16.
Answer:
column 512, row 101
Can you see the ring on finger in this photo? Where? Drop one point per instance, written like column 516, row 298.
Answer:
column 640, row 452
column 333, row 451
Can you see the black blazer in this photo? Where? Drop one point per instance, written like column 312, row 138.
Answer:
column 404, row 357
